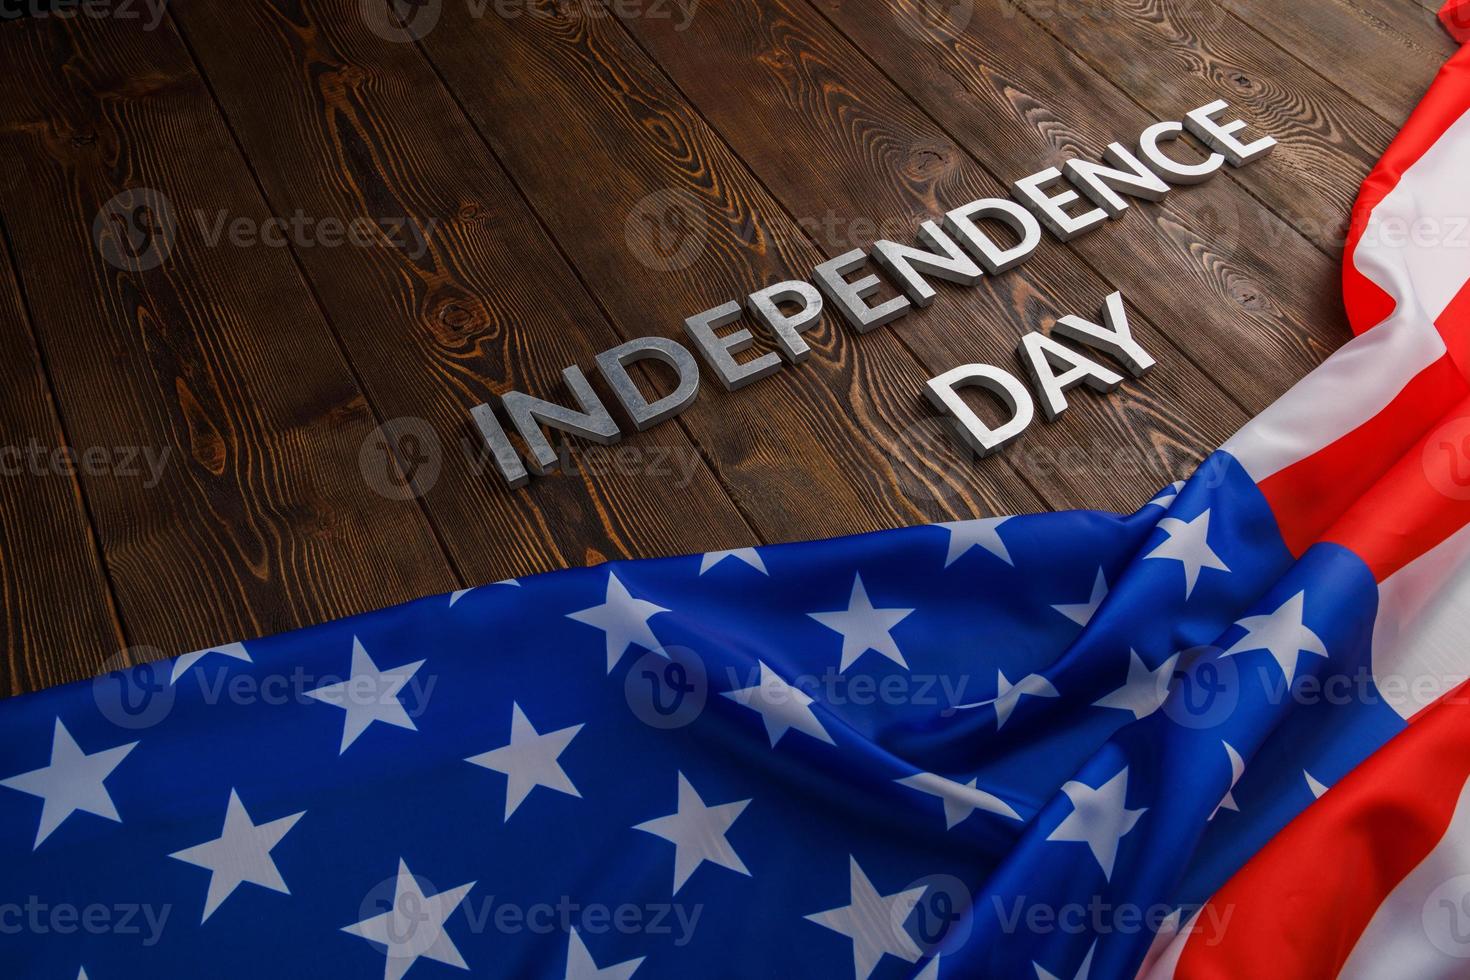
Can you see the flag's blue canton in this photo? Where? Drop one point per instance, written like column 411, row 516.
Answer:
column 834, row 759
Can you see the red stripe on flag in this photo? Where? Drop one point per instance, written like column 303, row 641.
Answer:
column 1310, row 495
column 1297, row 908
column 1448, row 99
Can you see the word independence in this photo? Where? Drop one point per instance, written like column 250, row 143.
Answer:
column 960, row 249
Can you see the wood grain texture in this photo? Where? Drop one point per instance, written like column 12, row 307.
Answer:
column 1227, row 280
column 1173, row 55
column 600, row 142
column 836, row 137
column 583, row 181
column 260, row 521
column 1383, row 52
column 57, row 620
column 338, row 122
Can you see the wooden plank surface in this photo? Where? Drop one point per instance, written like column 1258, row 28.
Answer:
column 835, row 134
column 340, row 123
column 828, row 447
column 59, row 618
column 581, row 180
column 1173, row 55
column 260, row 521
column 1231, row 283
column 1383, row 52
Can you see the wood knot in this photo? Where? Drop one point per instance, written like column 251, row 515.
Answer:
column 469, row 212
column 929, row 161
column 84, row 139
column 1248, row 296
column 453, row 319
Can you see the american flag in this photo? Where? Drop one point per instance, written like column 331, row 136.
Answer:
column 1221, row 736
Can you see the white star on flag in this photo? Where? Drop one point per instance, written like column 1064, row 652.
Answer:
column 1008, row 695
column 1145, row 691
column 1082, row 973
column 864, row 627
column 414, row 927
column 1166, row 496
column 781, row 706
column 1315, row 785
column 530, row 760
column 183, row 662
column 581, row 965
column 459, row 594
column 750, row 556
column 983, row 532
column 72, row 781
column 1081, row 613
column 369, row 695
column 241, row 853
column 873, row 922
column 623, row 619
column 698, row 833
column 1237, row 769
column 1100, row 818
column 1188, row 544
column 960, row 799
column 1282, row 634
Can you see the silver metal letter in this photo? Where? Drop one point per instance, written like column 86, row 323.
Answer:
column 1220, row 137
column 961, row 224
column 1115, row 339
column 593, row 422
column 983, row 439
column 507, row 461
column 719, row 351
column 1172, row 170
column 850, row 296
column 764, row 305
column 614, row 363
column 1127, row 173
column 1039, row 353
column 903, row 263
column 1052, row 208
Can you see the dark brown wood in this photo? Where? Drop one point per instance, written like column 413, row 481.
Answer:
column 338, row 122
column 1384, row 52
column 58, row 617
column 261, row 521
column 836, row 137
column 1257, row 318
column 1173, row 55
column 566, row 162
column 598, row 138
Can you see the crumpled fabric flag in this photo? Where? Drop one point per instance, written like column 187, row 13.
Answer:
column 1063, row 745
